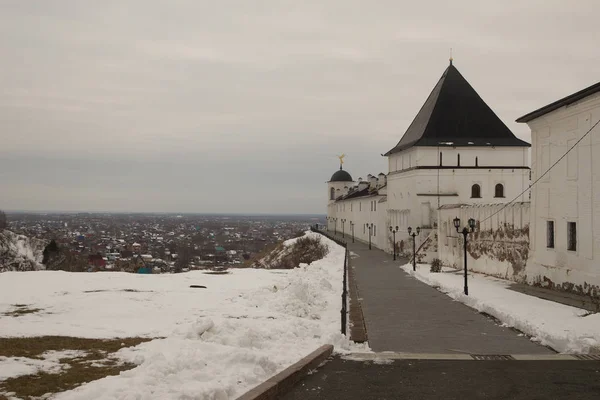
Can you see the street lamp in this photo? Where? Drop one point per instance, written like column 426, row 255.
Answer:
column 343, row 222
column 352, row 229
column 394, row 230
column 465, row 232
column 370, row 228
column 413, row 234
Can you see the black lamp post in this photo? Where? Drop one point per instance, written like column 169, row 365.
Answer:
column 465, row 232
column 370, row 228
column 343, row 222
column 352, row 229
column 335, row 226
column 394, row 230
column 414, row 234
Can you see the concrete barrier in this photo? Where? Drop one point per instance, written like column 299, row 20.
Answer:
column 286, row 379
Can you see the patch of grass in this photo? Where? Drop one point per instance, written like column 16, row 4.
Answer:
column 81, row 369
column 32, row 386
column 34, row 347
column 121, row 290
column 21, row 309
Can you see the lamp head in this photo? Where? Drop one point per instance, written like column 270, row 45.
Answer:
column 456, row 223
column 472, row 223
column 390, row 228
column 418, row 230
column 396, row 228
column 409, row 230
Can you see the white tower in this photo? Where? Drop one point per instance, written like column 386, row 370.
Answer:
column 339, row 184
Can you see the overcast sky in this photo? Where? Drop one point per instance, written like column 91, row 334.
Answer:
column 242, row 106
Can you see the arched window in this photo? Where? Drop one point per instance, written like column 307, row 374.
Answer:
column 440, row 158
column 476, row 162
column 332, row 194
column 499, row 190
column 475, row 191
column 458, row 160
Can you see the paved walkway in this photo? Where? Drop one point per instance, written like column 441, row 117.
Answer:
column 403, row 314
column 450, row 380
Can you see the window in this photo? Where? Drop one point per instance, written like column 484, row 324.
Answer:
column 572, row 236
column 476, row 162
column 374, row 205
column 458, row 160
column 550, row 234
column 475, row 191
column 499, row 190
column 350, row 206
column 440, row 158
column 364, row 229
column 360, row 206
column 332, row 194
column 374, row 230
column 371, row 206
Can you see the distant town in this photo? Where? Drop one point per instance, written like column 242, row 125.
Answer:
column 156, row 243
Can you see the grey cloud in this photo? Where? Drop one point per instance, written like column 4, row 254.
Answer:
column 241, row 106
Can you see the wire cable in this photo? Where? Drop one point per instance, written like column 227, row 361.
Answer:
column 544, row 174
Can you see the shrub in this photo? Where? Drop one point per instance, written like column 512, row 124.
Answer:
column 3, row 221
column 436, row 265
column 304, row 250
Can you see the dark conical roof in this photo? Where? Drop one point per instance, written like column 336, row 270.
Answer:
column 454, row 113
column 341, row 176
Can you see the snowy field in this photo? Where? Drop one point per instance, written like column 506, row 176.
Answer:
column 216, row 343
column 564, row 328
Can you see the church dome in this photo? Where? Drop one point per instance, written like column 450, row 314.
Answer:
column 341, row 176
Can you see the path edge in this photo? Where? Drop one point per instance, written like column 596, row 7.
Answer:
column 358, row 327
column 279, row 384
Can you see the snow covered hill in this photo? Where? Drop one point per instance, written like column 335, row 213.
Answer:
column 213, row 343
column 20, row 253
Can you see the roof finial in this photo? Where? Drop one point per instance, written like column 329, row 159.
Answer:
column 451, row 56
column 341, row 159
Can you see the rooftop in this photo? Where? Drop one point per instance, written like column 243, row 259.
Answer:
column 454, row 114
column 565, row 101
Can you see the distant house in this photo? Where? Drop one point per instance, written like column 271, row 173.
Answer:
column 220, row 253
column 96, row 260
column 136, row 247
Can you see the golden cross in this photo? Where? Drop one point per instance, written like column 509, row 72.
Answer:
column 341, row 158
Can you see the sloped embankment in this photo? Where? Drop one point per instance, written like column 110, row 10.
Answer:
column 20, row 253
column 291, row 253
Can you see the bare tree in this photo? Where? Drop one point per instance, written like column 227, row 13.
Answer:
column 184, row 257
column 3, row 220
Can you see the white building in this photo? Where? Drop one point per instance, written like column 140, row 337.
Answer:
column 565, row 217
column 358, row 210
column 456, row 150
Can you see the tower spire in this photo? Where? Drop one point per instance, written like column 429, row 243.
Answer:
column 451, row 59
